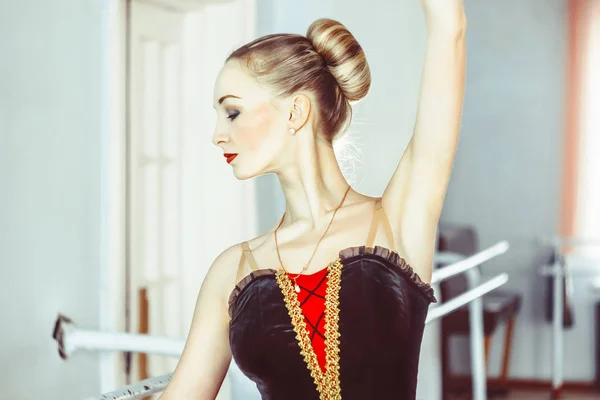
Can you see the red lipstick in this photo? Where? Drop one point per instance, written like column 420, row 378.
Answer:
column 230, row 157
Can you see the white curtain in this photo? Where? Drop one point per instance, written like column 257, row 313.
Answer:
column 587, row 222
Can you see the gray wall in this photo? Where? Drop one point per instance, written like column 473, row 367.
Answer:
column 507, row 175
column 50, row 118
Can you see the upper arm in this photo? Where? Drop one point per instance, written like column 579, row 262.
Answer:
column 206, row 356
column 413, row 208
column 414, row 197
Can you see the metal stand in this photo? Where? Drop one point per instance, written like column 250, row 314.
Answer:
column 557, row 325
column 557, row 270
column 478, row 367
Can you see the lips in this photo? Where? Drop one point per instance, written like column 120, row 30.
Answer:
column 229, row 157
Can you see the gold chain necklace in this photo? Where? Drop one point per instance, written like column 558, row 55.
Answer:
column 296, row 287
column 328, row 382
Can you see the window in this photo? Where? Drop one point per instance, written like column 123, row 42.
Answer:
column 587, row 210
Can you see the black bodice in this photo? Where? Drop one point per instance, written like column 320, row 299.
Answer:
column 383, row 305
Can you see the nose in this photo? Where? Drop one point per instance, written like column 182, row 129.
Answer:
column 220, row 137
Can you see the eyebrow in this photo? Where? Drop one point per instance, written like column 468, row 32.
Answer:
column 222, row 99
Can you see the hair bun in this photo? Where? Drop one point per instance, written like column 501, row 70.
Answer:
column 343, row 55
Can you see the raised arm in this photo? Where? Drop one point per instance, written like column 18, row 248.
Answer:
column 413, row 199
column 206, row 355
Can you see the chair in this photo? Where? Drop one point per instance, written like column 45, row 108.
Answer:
column 498, row 306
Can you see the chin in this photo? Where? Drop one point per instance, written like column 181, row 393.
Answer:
column 241, row 175
column 243, row 171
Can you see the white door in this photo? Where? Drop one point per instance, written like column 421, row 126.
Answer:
column 180, row 193
column 155, row 186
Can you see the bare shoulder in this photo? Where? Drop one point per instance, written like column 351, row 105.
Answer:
column 261, row 244
column 221, row 275
column 227, row 260
column 207, row 355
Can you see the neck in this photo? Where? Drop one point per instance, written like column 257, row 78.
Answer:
column 313, row 184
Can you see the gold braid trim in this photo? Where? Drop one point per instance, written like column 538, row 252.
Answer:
column 328, row 384
column 332, row 344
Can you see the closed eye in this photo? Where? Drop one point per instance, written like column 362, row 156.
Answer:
column 232, row 114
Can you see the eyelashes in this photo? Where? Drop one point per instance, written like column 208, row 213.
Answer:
column 232, row 115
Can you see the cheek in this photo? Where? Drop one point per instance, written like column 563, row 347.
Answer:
column 260, row 131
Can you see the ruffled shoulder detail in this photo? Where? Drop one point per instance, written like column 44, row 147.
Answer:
column 358, row 251
column 395, row 259
column 245, row 281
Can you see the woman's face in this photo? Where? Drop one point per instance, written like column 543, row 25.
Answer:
column 252, row 125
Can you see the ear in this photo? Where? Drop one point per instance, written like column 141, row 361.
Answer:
column 300, row 108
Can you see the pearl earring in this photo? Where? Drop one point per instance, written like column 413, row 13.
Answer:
column 292, row 131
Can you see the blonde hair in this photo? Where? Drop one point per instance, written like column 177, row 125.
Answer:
column 328, row 62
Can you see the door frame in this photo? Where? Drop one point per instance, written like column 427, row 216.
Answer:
column 114, row 209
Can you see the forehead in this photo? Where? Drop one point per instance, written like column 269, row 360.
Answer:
column 234, row 80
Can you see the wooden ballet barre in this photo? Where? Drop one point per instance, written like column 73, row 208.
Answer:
column 465, row 298
column 462, row 263
column 74, row 339
column 137, row 390
column 569, row 241
column 70, row 339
